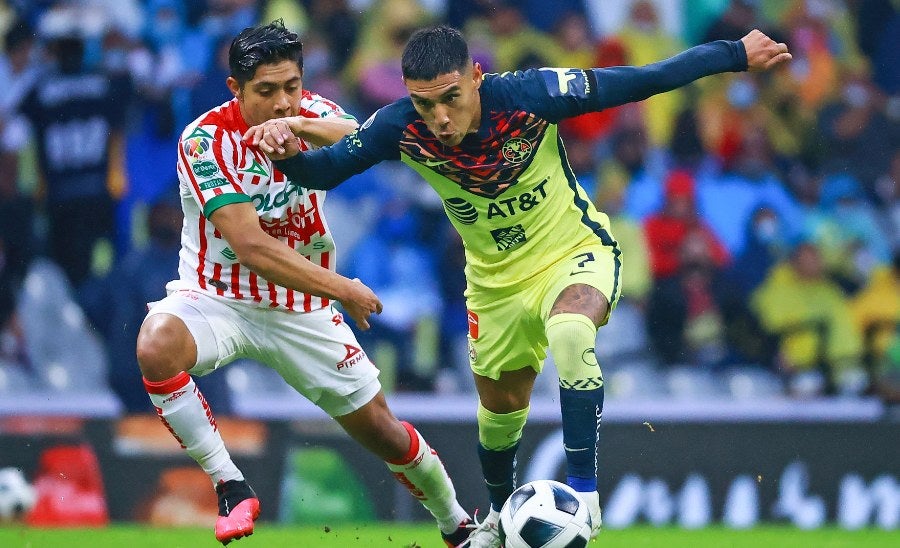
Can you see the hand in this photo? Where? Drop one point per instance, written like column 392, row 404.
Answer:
column 274, row 138
column 360, row 303
column 764, row 53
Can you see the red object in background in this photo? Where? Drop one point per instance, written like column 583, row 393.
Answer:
column 593, row 126
column 69, row 489
column 667, row 230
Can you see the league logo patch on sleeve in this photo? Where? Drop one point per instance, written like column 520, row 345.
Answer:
column 195, row 147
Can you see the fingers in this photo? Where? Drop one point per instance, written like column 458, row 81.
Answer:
column 269, row 136
column 778, row 59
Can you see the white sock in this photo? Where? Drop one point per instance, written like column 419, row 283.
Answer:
column 423, row 473
column 184, row 411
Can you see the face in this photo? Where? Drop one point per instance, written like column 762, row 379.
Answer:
column 450, row 104
column 274, row 92
column 808, row 261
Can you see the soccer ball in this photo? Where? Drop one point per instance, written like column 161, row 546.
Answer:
column 545, row 514
column 17, row 496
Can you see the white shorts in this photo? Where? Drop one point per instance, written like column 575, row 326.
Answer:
column 315, row 352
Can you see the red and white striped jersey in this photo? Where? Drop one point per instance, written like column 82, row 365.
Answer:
column 215, row 168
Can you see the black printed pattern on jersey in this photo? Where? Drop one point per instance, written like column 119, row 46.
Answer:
column 509, row 237
column 488, row 167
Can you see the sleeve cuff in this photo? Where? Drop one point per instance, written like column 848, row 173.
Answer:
column 223, row 200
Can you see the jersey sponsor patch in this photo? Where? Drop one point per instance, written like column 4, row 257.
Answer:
column 509, row 237
column 461, row 210
column 473, row 323
column 204, row 168
column 212, row 183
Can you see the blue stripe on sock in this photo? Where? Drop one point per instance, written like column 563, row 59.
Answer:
column 582, row 485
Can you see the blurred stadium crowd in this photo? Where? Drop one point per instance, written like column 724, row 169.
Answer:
column 759, row 214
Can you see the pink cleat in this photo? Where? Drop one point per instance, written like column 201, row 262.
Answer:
column 238, row 509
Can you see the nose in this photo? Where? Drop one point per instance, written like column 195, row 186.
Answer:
column 441, row 116
column 282, row 103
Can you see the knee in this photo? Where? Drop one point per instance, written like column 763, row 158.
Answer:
column 164, row 348
column 571, row 339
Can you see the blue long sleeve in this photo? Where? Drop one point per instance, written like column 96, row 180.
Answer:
column 620, row 85
column 317, row 169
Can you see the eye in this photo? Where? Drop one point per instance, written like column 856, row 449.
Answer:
column 292, row 88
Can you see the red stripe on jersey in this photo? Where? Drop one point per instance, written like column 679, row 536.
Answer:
column 190, row 174
column 217, row 276
column 254, row 287
column 217, row 151
column 236, row 161
column 290, row 299
column 326, row 258
column 291, row 242
column 236, row 281
column 273, row 295
column 201, row 254
column 307, row 299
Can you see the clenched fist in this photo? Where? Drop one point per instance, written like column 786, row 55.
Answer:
column 764, row 53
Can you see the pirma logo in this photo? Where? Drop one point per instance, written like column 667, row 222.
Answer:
column 353, row 357
column 517, row 150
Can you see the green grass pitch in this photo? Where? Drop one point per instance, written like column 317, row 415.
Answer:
column 385, row 535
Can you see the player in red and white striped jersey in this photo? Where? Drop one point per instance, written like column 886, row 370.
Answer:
column 257, row 280
column 215, row 169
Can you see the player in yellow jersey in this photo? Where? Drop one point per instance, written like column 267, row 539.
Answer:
column 542, row 267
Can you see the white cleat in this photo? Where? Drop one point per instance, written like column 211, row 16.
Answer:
column 485, row 534
column 593, row 502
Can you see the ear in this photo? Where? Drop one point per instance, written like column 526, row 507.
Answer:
column 233, row 86
column 477, row 74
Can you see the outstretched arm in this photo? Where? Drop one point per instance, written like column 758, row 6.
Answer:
column 325, row 168
column 271, row 136
column 755, row 52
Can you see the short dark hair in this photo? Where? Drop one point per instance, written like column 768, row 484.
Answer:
column 256, row 46
column 433, row 51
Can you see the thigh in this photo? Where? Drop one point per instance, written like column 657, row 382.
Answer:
column 319, row 356
column 505, row 333
column 569, row 284
column 215, row 326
